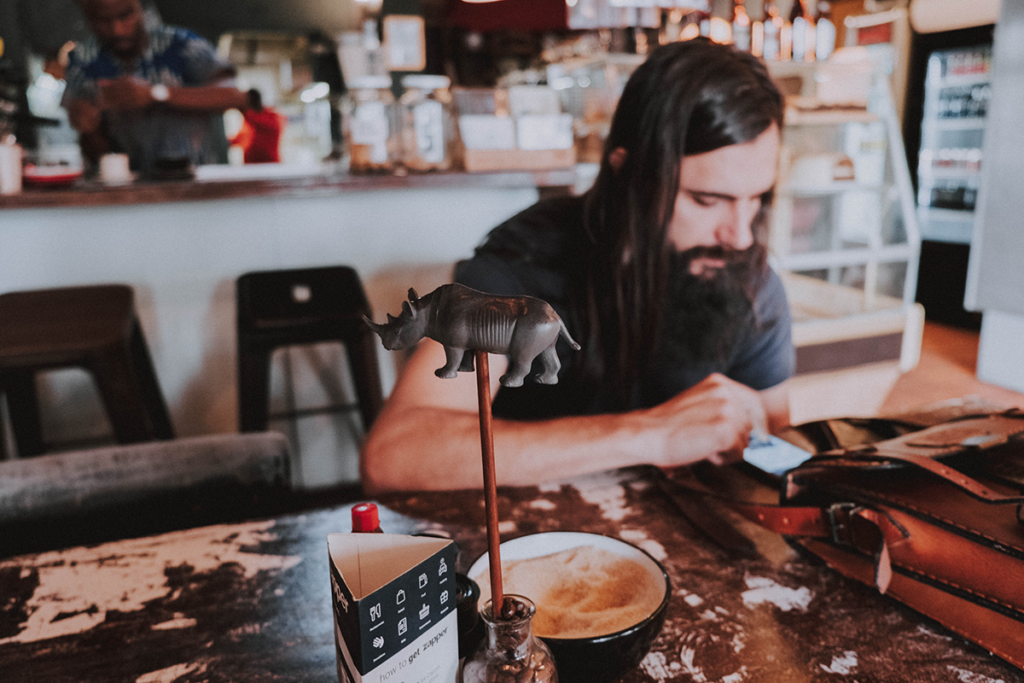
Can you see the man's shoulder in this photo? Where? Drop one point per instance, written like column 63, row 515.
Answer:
column 166, row 38
column 86, row 53
column 772, row 291
column 546, row 230
column 551, row 212
column 530, row 253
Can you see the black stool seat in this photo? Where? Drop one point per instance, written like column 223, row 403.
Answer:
column 282, row 308
column 94, row 328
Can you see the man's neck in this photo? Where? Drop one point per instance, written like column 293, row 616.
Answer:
column 129, row 60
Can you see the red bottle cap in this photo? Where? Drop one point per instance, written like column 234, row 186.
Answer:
column 365, row 518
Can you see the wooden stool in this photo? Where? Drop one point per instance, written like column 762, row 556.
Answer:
column 94, row 328
column 290, row 307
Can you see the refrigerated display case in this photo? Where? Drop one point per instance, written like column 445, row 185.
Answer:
column 947, row 98
column 956, row 96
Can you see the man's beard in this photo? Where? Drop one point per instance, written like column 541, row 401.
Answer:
column 706, row 311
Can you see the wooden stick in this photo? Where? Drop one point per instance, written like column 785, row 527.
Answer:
column 483, row 393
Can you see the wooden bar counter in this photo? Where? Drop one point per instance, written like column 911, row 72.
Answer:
column 271, row 180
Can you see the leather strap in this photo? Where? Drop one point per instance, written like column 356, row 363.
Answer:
column 921, row 448
column 839, row 524
column 866, row 530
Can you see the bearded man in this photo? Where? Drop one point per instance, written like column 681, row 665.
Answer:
column 659, row 271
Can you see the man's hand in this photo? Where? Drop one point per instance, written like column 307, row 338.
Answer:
column 709, row 421
column 124, row 94
column 84, row 116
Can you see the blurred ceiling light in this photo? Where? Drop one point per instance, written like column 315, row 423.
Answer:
column 721, row 30
column 689, row 32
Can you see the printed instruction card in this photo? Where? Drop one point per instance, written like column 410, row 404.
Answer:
column 394, row 608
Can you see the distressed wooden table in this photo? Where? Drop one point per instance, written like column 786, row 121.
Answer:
column 251, row 601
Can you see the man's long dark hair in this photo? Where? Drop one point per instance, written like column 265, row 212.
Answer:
column 686, row 98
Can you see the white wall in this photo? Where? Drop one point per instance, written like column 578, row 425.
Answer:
column 995, row 278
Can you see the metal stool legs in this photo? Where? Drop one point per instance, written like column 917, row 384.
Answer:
column 94, row 328
column 305, row 306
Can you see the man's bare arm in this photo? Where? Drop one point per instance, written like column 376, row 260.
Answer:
column 776, row 406
column 86, row 118
column 132, row 93
column 427, row 436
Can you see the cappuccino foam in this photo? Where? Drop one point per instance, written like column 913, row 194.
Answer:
column 581, row 592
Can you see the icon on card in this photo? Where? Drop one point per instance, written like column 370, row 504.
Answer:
column 378, row 642
column 423, row 580
column 403, row 626
column 400, row 597
column 375, row 612
column 444, row 596
column 442, row 569
column 424, row 611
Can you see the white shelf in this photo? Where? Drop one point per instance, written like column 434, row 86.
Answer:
column 960, row 81
column 973, row 123
column 841, row 258
column 828, row 117
column 836, row 188
column 946, row 225
column 939, row 173
column 949, row 215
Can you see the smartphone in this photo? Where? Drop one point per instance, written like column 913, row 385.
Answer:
column 773, row 455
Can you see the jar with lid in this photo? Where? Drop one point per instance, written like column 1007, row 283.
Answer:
column 428, row 123
column 371, row 130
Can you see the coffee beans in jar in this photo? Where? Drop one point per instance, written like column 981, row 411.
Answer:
column 371, row 125
column 428, row 124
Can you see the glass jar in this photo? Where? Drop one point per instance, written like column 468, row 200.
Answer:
column 510, row 653
column 371, row 132
column 428, row 125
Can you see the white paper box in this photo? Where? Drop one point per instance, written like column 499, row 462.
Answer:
column 482, row 131
column 544, row 132
column 394, row 608
column 527, row 100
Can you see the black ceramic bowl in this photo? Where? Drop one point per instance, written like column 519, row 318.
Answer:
column 601, row 658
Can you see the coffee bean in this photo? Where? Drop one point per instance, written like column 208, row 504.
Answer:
column 512, row 609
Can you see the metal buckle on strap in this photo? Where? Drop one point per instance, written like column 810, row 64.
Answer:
column 839, row 515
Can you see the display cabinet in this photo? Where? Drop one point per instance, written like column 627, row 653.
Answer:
column 844, row 236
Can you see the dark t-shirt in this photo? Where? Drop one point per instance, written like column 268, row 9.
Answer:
column 537, row 253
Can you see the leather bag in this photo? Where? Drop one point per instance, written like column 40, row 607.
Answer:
column 931, row 517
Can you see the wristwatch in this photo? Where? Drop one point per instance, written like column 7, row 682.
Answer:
column 160, row 92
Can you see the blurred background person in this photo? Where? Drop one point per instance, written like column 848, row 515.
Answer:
column 151, row 91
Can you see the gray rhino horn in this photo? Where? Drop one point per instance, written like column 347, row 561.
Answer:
column 412, row 295
column 372, row 325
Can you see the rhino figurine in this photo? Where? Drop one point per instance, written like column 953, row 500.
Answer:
column 463, row 319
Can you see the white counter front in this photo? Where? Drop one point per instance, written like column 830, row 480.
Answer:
column 182, row 258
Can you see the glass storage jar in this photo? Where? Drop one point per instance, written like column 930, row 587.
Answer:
column 371, row 130
column 428, row 123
